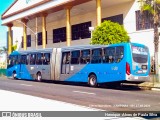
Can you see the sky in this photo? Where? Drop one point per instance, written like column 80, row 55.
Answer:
column 4, row 4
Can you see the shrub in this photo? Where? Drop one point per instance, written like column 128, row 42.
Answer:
column 109, row 33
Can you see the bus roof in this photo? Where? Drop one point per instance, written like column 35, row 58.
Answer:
column 31, row 51
column 70, row 48
column 81, row 47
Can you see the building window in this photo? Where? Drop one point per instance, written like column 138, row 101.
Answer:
column 46, row 38
column 28, row 40
column 116, row 18
column 40, row 38
column 81, row 31
column 22, row 42
column 59, row 35
column 144, row 20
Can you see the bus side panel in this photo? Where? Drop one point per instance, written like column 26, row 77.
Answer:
column 109, row 73
column 33, row 70
column 46, row 72
column 10, row 70
column 77, row 73
column 25, row 72
column 57, row 67
column 53, row 59
column 22, row 72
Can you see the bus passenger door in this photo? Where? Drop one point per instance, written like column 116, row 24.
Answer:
column 22, row 67
column 46, row 69
column 65, row 63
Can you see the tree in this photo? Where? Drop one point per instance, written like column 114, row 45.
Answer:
column 109, row 33
column 153, row 7
column 4, row 50
column 14, row 47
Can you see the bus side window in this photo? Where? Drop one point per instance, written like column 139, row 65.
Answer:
column 27, row 60
column 10, row 61
column 109, row 55
column 119, row 54
column 85, row 56
column 96, row 56
column 23, row 59
column 66, row 57
column 75, row 57
column 32, row 59
column 39, row 59
column 46, row 59
column 14, row 60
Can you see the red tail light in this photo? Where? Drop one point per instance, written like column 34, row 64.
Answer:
column 128, row 71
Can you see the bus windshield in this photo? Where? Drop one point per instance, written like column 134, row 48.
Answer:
column 13, row 59
column 140, row 54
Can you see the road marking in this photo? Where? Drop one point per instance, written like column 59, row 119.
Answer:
column 81, row 92
column 26, row 85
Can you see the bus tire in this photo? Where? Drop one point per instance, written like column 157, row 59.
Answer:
column 92, row 80
column 14, row 75
column 39, row 77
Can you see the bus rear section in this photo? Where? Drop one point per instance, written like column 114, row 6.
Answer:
column 138, row 64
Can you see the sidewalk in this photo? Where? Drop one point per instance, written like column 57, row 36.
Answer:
column 11, row 101
column 151, row 85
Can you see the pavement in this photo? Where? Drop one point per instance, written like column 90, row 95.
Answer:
column 12, row 101
column 152, row 84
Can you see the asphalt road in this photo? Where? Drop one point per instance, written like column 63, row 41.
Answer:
column 110, row 99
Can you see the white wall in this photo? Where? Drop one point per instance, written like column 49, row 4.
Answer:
column 143, row 36
column 17, row 36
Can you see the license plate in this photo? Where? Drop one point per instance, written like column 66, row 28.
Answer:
column 136, row 77
column 144, row 71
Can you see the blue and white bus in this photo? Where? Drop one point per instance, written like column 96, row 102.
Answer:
column 92, row 64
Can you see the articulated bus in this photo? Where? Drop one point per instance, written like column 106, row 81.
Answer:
column 93, row 64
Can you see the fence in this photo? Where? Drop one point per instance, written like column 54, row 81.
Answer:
column 2, row 72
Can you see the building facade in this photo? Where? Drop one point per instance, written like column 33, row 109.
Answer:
column 57, row 23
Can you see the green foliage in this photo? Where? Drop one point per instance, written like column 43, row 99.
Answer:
column 3, row 50
column 152, row 6
column 14, row 47
column 109, row 33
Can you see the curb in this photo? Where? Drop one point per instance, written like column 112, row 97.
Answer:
column 155, row 89
column 148, row 86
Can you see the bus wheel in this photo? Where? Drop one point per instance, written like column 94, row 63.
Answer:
column 14, row 75
column 93, row 80
column 39, row 77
